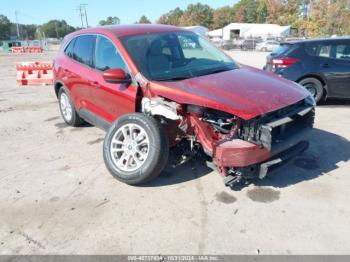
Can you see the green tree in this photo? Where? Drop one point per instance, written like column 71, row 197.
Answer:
column 261, row 11
column 111, row 20
column 173, row 17
column 197, row 14
column 56, row 28
column 5, row 27
column 246, row 11
column 222, row 17
column 26, row 31
column 338, row 18
column 325, row 18
column 144, row 20
column 286, row 12
column 275, row 9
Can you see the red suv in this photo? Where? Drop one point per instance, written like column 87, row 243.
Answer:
column 154, row 87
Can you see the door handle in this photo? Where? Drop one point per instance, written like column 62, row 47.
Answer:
column 326, row 65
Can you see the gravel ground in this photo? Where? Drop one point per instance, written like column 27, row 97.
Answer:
column 56, row 196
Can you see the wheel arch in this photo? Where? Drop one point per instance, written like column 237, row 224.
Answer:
column 318, row 77
column 57, row 86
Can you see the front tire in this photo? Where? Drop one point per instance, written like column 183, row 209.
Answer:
column 314, row 86
column 135, row 149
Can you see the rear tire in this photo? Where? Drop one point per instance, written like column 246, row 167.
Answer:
column 314, row 86
column 67, row 108
column 135, row 149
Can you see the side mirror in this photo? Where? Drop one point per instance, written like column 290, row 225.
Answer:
column 116, row 75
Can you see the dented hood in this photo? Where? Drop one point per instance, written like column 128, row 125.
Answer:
column 245, row 92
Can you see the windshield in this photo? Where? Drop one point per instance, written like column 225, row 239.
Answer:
column 174, row 56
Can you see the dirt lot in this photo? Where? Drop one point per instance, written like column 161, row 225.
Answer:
column 56, row 196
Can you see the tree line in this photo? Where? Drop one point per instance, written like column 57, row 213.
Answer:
column 310, row 17
column 52, row 29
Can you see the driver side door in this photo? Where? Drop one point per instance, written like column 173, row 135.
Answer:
column 110, row 100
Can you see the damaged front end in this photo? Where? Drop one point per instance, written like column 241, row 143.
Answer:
column 240, row 149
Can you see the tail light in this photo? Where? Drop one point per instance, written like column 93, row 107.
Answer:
column 284, row 62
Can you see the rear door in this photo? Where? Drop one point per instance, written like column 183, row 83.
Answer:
column 79, row 68
column 333, row 59
column 340, row 70
column 110, row 100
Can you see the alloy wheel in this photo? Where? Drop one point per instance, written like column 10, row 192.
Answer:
column 129, row 147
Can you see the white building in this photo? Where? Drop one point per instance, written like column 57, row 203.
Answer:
column 245, row 30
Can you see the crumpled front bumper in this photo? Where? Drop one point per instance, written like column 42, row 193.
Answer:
column 238, row 153
column 268, row 144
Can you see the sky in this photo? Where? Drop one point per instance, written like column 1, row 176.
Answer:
column 128, row 11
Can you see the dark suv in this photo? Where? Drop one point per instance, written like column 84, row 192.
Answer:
column 322, row 66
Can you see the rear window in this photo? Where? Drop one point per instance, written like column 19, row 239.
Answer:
column 283, row 48
column 69, row 49
column 83, row 49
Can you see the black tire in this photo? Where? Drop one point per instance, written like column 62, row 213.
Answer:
column 157, row 153
column 75, row 120
column 315, row 87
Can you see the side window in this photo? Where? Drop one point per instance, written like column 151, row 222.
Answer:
column 69, row 49
column 317, row 49
column 325, row 51
column 342, row 51
column 311, row 49
column 83, row 49
column 107, row 56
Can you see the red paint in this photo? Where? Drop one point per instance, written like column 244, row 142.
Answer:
column 239, row 153
column 204, row 132
column 114, row 74
column 245, row 92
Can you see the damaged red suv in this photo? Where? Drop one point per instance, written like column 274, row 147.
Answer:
column 154, row 87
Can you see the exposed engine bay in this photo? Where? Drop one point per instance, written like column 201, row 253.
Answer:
column 240, row 149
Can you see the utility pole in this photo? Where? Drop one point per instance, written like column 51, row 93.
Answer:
column 17, row 26
column 82, row 12
column 81, row 15
column 86, row 18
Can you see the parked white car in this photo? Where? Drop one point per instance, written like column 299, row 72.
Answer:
column 267, row 46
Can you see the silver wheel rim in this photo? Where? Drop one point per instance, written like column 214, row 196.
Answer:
column 129, row 147
column 66, row 107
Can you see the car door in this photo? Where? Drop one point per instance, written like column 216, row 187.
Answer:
column 333, row 63
column 340, row 70
column 78, row 69
column 110, row 100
